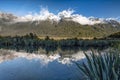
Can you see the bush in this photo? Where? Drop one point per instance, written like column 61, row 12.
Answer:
column 102, row 66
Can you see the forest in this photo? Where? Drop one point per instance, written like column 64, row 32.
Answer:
column 30, row 42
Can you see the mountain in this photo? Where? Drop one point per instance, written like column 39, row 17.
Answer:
column 64, row 26
column 7, row 17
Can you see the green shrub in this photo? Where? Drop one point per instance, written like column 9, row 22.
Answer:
column 102, row 66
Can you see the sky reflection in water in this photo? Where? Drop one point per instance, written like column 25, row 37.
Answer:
column 24, row 66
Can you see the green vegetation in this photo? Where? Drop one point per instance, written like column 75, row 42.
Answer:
column 101, row 66
column 62, row 29
column 31, row 42
column 115, row 35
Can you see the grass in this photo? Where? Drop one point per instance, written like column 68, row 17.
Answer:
column 102, row 66
column 62, row 29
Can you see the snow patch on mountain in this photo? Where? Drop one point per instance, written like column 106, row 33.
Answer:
column 7, row 16
column 42, row 16
column 67, row 15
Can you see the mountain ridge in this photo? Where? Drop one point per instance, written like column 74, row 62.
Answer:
column 64, row 28
column 67, row 15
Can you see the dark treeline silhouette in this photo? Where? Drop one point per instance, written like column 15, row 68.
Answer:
column 115, row 35
column 31, row 42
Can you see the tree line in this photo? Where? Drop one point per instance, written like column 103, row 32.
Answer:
column 31, row 42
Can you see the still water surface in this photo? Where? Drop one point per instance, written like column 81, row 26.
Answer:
column 57, row 65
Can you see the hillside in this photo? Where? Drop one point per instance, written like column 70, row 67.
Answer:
column 114, row 35
column 10, row 26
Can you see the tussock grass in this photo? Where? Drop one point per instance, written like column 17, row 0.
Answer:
column 102, row 66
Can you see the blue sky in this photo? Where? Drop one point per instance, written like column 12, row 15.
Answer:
column 97, row 8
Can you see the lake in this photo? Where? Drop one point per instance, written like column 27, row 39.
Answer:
column 39, row 65
column 46, row 59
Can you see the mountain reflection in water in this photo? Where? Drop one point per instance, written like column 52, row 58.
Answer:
column 39, row 66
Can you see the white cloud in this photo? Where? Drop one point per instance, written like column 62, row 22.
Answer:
column 44, row 14
column 68, row 15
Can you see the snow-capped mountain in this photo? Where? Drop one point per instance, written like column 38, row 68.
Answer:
column 64, row 24
column 7, row 16
column 67, row 15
